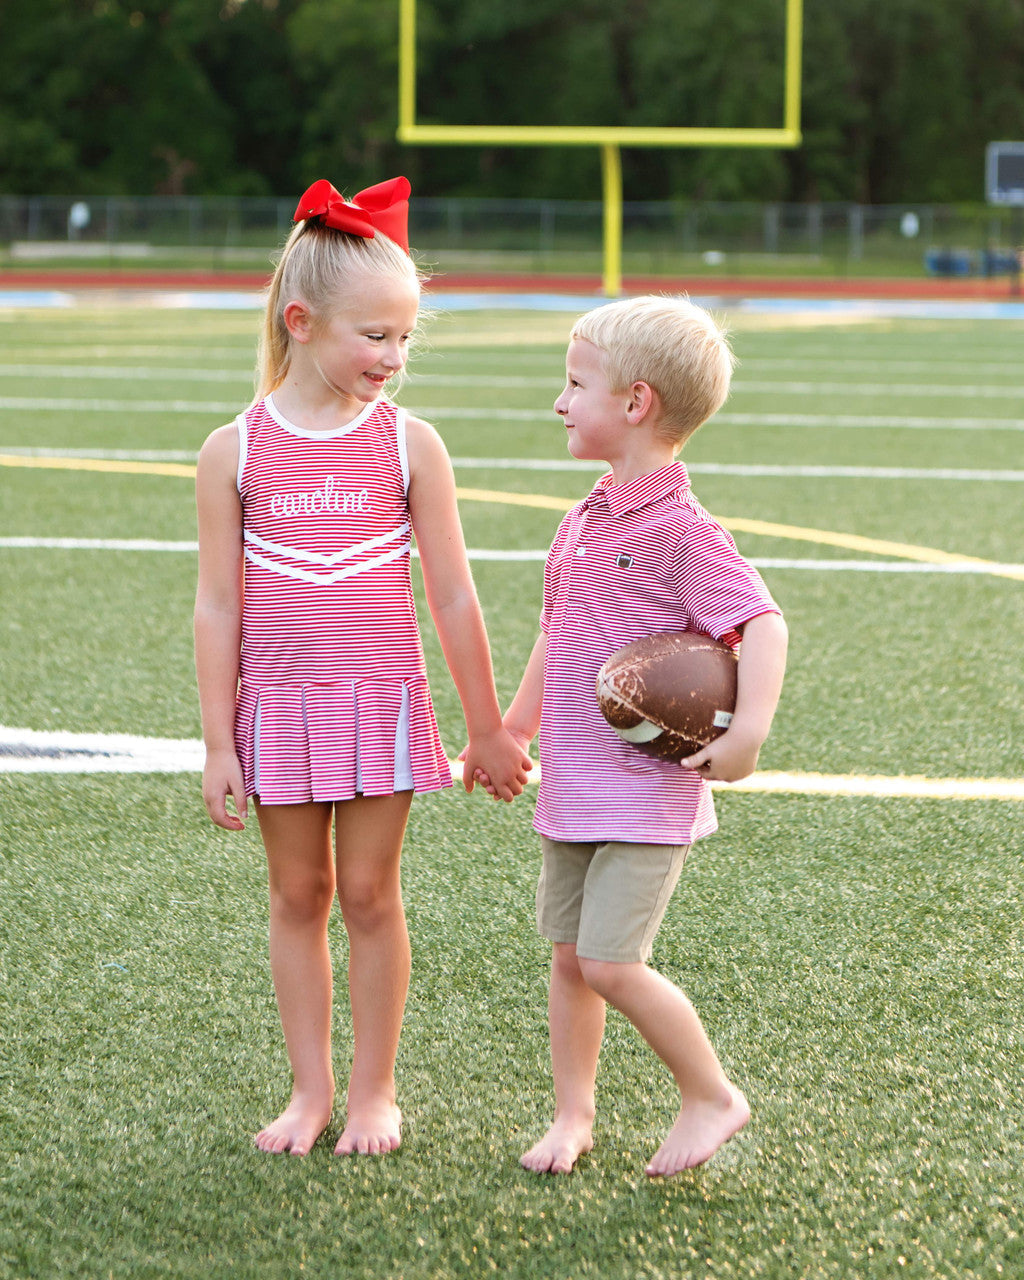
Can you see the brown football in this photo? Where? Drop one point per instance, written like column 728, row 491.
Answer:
column 671, row 694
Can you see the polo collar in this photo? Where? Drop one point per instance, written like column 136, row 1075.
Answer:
column 641, row 492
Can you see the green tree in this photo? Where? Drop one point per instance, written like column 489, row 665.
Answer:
column 344, row 58
column 214, row 97
column 139, row 96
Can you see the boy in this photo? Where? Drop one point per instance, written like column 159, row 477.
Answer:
column 640, row 555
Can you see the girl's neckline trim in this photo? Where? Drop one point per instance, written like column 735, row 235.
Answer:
column 292, row 429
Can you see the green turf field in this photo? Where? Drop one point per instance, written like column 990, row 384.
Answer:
column 857, row 958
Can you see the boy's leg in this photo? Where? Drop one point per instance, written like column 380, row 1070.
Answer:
column 368, row 834
column 576, row 1018
column 297, row 838
column 712, row 1108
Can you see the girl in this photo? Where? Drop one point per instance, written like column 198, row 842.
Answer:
column 311, row 676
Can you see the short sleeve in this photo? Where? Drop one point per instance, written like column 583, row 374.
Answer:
column 719, row 589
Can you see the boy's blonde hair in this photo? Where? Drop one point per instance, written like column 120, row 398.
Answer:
column 674, row 346
column 316, row 267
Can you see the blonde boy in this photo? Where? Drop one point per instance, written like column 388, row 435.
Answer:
column 639, row 555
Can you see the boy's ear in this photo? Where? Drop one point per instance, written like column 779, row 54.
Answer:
column 641, row 400
column 298, row 321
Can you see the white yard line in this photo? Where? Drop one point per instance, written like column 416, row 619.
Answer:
column 32, row 751
column 554, row 465
column 534, row 555
column 764, row 386
column 115, row 373
column 438, row 413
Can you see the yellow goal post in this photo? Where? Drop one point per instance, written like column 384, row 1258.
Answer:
column 609, row 139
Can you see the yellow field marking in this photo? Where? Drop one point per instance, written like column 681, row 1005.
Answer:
column 543, row 500
column 767, row 529
column 876, row 546
column 184, row 469
column 548, row 502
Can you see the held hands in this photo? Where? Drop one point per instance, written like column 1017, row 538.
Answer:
column 499, row 761
column 222, row 777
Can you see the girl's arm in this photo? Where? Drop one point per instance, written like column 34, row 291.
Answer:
column 762, row 665
column 218, row 623
column 453, row 604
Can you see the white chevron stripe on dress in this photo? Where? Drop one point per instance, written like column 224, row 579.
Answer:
column 334, row 557
column 325, row 579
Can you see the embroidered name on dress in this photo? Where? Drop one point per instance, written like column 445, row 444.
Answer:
column 327, row 499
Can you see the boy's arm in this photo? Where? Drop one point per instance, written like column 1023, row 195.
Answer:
column 522, row 719
column 762, row 665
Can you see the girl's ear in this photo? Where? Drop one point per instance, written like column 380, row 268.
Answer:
column 298, row 321
column 641, row 401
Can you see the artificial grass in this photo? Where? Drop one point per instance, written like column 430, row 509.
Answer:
column 854, row 961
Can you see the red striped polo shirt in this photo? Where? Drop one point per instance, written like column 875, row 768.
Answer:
column 629, row 561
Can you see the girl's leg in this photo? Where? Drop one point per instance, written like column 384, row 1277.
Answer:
column 297, row 838
column 576, row 1018
column 712, row 1108
column 368, row 833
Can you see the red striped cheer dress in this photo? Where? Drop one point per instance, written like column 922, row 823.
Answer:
column 333, row 698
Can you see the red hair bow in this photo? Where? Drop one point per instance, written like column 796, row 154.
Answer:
column 383, row 208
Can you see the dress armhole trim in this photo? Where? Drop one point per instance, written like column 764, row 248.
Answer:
column 403, row 451
column 243, row 448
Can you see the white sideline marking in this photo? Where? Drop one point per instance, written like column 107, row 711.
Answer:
column 798, row 471
column 96, row 544
column 754, row 469
column 437, row 413
column 917, row 391
column 32, row 751
column 538, row 555
column 114, row 373
column 61, row 752
column 913, row 787
column 886, row 421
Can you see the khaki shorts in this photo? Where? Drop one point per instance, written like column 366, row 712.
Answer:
column 609, row 899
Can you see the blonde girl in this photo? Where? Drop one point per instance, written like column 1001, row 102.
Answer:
column 312, row 683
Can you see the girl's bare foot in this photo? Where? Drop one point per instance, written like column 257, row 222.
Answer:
column 296, row 1128
column 560, row 1148
column 371, row 1130
column 700, row 1129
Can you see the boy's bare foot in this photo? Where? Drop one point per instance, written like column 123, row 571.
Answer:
column 296, row 1128
column 560, row 1148
column 371, row 1130
column 700, row 1129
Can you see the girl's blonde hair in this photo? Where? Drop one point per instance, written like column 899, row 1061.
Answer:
column 674, row 346
column 316, row 267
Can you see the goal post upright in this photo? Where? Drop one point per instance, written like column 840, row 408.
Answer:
column 611, row 180
column 610, row 139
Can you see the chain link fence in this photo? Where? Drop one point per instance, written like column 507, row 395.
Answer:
column 534, row 235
